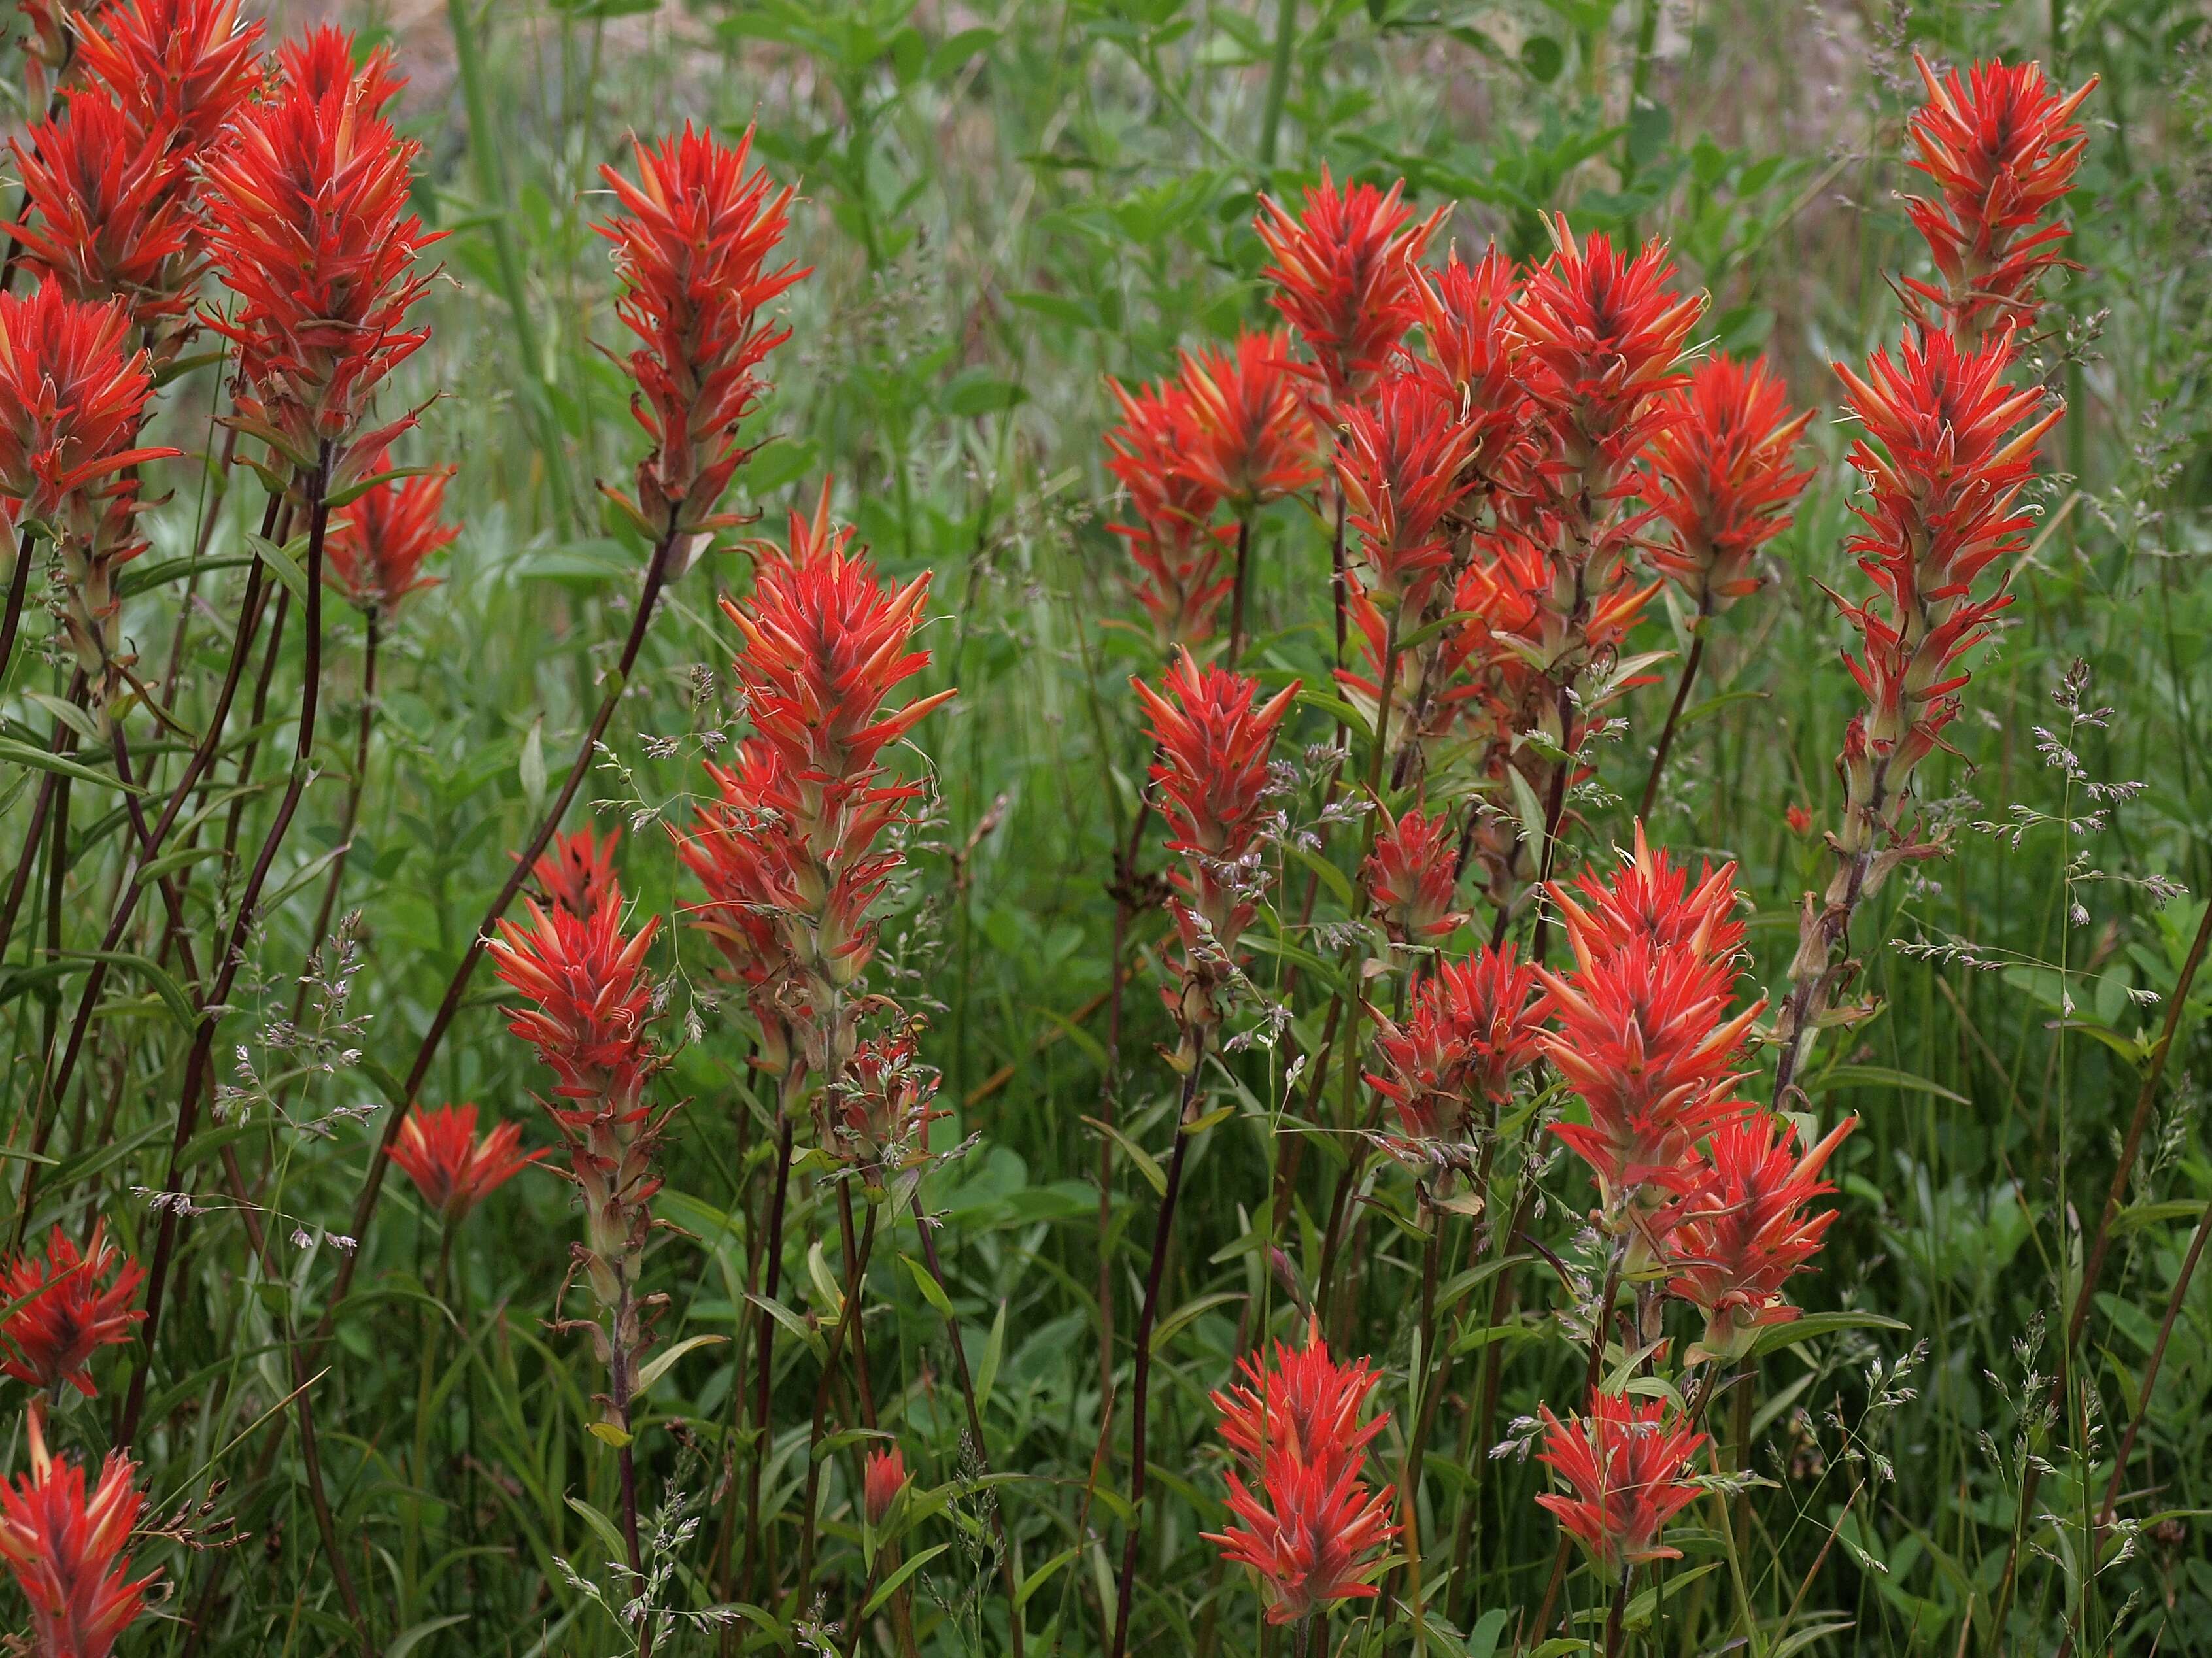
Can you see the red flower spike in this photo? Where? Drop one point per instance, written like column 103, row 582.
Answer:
column 1744, row 1233
column 1466, row 317
column 881, row 1108
column 453, row 1168
column 881, row 1481
column 64, row 1545
column 1179, row 551
column 1213, row 737
column 692, row 245
column 2001, row 147
column 1600, row 339
column 379, row 542
column 1345, row 277
column 70, row 403
column 309, row 227
column 1645, row 1037
column 68, row 1314
column 110, row 216
column 1948, row 445
column 1251, row 439
column 1404, row 461
column 576, row 871
column 185, row 67
column 1722, row 479
column 1626, row 1466
column 323, row 61
column 1314, row 1534
column 1412, row 874
column 1472, row 1029
column 590, row 999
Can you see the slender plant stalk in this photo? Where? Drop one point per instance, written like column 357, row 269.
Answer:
column 226, row 965
column 364, row 1210
column 1690, row 665
column 63, row 740
column 2151, row 1368
column 1147, row 1316
column 19, row 588
column 1593, row 1367
column 764, row 1337
column 1241, row 594
column 1279, row 82
column 856, row 1274
column 351, row 818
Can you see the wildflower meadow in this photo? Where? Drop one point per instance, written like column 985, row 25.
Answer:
column 1296, row 829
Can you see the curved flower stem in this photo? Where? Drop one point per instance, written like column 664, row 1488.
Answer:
column 1690, row 665
column 225, row 967
column 364, row 1211
column 1244, row 588
column 764, row 1335
column 19, row 588
column 1147, row 1316
column 856, row 1275
column 351, row 819
column 63, row 740
column 1435, row 1377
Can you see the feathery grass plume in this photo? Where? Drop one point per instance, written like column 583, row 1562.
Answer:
column 1625, row 1466
column 692, row 245
column 64, row 1306
column 1176, row 547
column 1346, row 279
column 452, row 1166
column 1313, row 1534
column 64, row 1540
column 379, row 541
column 2002, row 146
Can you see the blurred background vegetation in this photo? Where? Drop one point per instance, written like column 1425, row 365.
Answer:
column 1003, row 204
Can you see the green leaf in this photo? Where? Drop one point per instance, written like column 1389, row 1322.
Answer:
column 931, row 1291
column 995, row 1353
column 531, row 766
column 23, row 754
column 1879, row 1076
column 1146, row 1164
column 602, row 1527
column 1482, row 1639
column 282, row 564
column 890, row 1586
column 408, row 1640
column 1187, row 1312
column 1037, row 1579
column 1812, row 1326
column 658, row 1366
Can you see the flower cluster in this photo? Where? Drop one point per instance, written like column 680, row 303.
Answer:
column 453, row 1168
column 1644, row 1034
column 1626, row 1468
column 65, row 1307
column 1213, row 736
column 797, row 847
column 64, row 1540
column 693, row 245
column 1722, row 480
column 1312, row 1533
column 1472, row 1028
column 309, row 229
column 1413, row 876
column 379, row 542
column 2001, row 145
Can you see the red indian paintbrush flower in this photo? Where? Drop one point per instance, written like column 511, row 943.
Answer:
column 880, row 1108
column 1467, row 320
column 1745, row 1233
column 1948, row 445
column 1626, row 1464
column 64, row 1543
column 1722, row 479
column 323, row 61
column 1251, row 439
column 69, row 1312
column 1175, row 543
column 881, row 1481
column 2001, row 145
column 576, row 871
column 1600, row 339
column 1345, row 277
column 71, row 399
column 1214, row 737
column 1314, row 1534
column 309, row 228
column 1412, row 875
column 453, row 1168
column 1404, row 461
column 110, row 216
column 1472, row 1029
column 692, row 246
column 1645, row 1037
column 591, row 999
column 182, row 68
column 379, row 542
